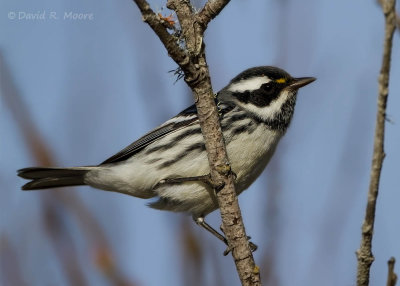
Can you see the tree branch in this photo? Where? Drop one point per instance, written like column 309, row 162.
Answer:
column 210, row 10
column 184, row 12
column 170, row 41
column 380, row 2
column 392, row 277
column 364, row 254
column 193, row 63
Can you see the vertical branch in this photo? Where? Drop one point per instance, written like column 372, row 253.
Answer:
column 192, row 60
column 364, row 254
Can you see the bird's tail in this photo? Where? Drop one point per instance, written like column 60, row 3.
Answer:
column 44, row 178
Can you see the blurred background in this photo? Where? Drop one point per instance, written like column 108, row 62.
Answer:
column 76, row 91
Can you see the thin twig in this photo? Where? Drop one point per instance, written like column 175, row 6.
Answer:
column 364, row 254
column 192, row 60
column 392, row 277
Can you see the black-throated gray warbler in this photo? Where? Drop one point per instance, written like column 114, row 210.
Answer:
column 256, row 108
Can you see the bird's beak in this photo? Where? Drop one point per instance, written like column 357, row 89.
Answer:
column 300, row 82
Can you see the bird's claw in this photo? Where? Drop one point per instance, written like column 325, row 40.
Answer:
column 227, row 250
column 253, row 247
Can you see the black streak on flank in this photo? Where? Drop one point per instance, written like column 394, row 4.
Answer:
column 200, row 146
column 165, row 203
column 174, row 140
column 249, row 128
column 152, row 161
column 187, row 133
column 234, row 118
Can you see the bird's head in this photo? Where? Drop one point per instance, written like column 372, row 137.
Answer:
column 267, row 93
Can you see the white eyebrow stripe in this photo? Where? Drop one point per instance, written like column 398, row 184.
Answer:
column 249, row 84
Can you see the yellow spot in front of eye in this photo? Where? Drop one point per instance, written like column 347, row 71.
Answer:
column 281, row 80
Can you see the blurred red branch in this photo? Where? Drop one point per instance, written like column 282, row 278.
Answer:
column 57, row 204
column 10, row 267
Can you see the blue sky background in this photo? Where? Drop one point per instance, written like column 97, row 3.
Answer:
column 91, row 87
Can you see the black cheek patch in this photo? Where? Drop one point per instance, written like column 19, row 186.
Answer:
column 242, row 96
column 261, row 97
column 266, row 94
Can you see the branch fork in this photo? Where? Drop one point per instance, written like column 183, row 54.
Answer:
column 191, row 59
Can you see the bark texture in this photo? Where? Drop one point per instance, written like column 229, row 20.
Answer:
column 392, row 277
column 364, row 254
column 186, row 48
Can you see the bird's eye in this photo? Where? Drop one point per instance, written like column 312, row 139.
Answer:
column 268, row 88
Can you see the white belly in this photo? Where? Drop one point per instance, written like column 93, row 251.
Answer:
column 248, row 155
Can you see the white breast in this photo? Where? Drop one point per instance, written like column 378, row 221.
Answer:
column 249, row 154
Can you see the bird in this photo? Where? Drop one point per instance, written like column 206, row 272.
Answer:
column 169, row 164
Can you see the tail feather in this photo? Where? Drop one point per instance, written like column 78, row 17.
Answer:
column 44, row 178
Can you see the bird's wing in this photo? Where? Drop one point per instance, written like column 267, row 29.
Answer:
column 185, row 118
